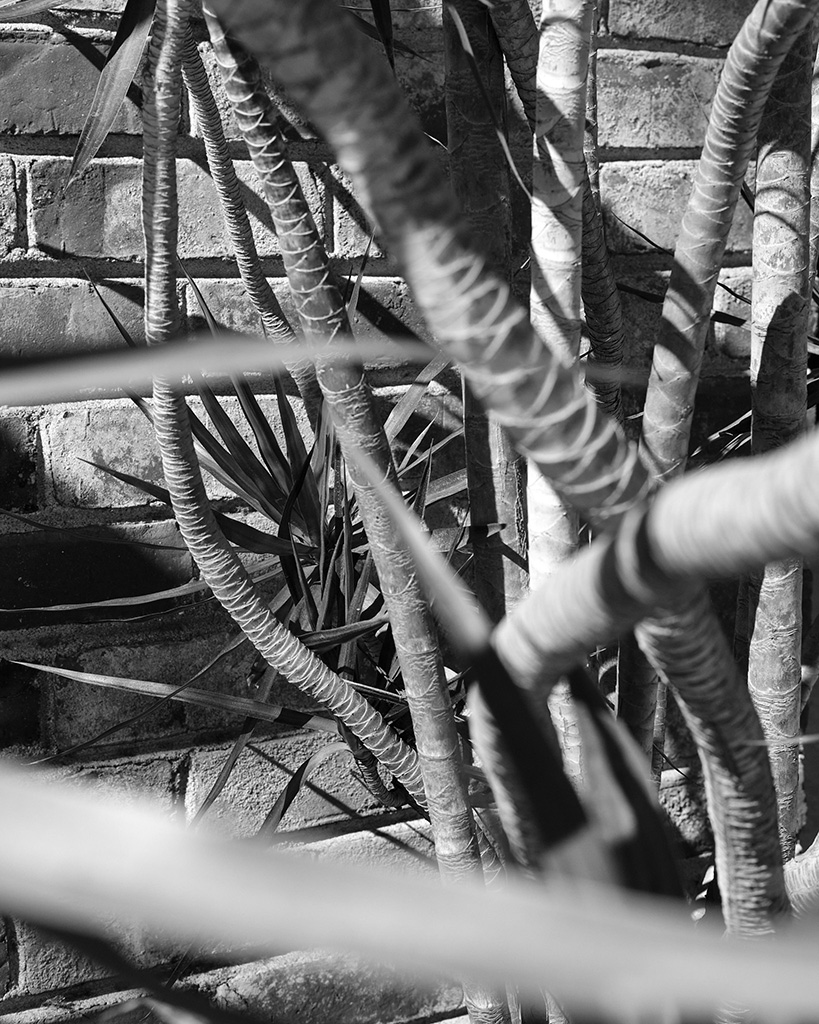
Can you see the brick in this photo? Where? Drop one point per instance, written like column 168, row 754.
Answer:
column 99, row 215
column 699, row 21
column 314, row 987
column 404, row 847
column 42, row 317
column 652, row 100
column 420, row 74
column 41, row 568
column 47, row 84
column 115, row 434
column 352, row 990
column 75, row 711
column 652, row 196
column 18, row 471
column 351, row 227
column 259, row 778
column 727, row 347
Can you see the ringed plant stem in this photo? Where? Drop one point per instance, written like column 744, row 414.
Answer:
column 353, row 100
column 779, row 324
column 496, row 474
column 558, row 171
column 228, row 189
column 322, row 312
column 519, row 39
column 217, row 561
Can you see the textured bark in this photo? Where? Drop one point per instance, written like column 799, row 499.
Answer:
column 480, row 180
column 747, row 77
column 545, row 406
column 228, row 189
column 779, row 323
column 558, row 171
column 216, row 559
column 603, row 312
column 517, row 33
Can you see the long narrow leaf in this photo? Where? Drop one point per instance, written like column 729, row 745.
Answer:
column 244, row 706
column 293, row 788
column 115, row 80
column 308, row 502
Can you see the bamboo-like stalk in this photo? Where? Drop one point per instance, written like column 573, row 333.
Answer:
column 480, row 180
column 558, row 171
column 228, row 189
column 322, row 312
column 353, row 100
column 217, row 561
column 779, row 324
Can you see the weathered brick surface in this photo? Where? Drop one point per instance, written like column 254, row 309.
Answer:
column 727, row 348
column 115, row 434
column 44, row 316
column 99, row 215
column 700, row 21
column 46, row 85
column 75, row 711
column 650, row 100
column 18, row 469
column 346, row 991
column 405, row 847
column 384, row 306
column 260, row 776
column 343, row 989
column 651, row 196
column 50, row 568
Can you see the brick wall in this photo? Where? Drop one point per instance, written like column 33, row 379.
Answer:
column 658, row 67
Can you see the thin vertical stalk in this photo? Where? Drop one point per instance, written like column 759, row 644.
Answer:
column 779, row 323
column 480, row 180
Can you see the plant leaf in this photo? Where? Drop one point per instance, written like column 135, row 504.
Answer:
column 293, row 787
column 244, row 706
column 241, row 534
column 115, row 79
column 411, row 399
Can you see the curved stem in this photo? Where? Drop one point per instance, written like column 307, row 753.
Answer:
column 228, row 189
